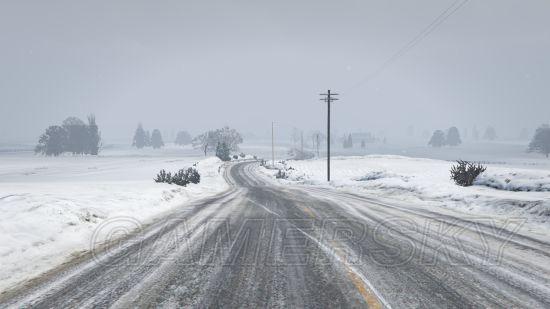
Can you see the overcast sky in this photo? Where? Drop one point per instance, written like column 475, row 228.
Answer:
column 201, row 64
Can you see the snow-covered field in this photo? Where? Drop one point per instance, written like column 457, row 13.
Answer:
column 500, row 191
column 50, row 207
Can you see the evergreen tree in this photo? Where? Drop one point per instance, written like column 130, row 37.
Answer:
column 148, row 139
column 77, row 135
column 183, row 138
column 490, row 134
column 94, row 136
column 348, row 141
column 363, row 144
column 140, row 138
column 156, row 139
column 52, row 142
column 541, row 141
column 223, row 152
column 438, row 139
column 453, row 137
column 475, row 134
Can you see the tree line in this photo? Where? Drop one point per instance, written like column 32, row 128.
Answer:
column 540, row 142
column 73, row 136
column 143, row 138
column 222, row 141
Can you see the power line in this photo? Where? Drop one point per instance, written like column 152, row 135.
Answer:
column 445, row 14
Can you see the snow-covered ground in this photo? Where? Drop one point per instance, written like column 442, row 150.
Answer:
column 500, row 191
column 50, row 207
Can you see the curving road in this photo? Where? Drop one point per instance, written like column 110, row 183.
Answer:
column 261, row 244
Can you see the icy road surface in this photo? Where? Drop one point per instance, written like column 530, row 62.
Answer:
column 261, row 244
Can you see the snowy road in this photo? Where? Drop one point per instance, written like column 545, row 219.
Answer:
column 265, row 245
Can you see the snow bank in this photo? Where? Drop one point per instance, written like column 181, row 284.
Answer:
column 513, row 180
column 50, row 207
column 427, row 182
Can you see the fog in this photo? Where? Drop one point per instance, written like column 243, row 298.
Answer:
column 197, row 65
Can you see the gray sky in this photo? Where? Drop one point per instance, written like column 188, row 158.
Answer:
column 200, row 64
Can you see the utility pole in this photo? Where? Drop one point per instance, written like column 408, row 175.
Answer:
column 328, row 97
column 302, row 142
column 272, row 147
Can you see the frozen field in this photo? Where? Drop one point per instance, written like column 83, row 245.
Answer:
column 50, row 207
column 501, row 191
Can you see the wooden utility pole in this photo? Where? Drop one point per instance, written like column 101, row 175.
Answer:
column 328, row 97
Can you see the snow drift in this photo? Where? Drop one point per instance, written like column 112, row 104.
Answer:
column 51, row 206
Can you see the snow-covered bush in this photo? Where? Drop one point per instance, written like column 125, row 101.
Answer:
column 281, row 175
column 193, row 175
column 164, row 177
column 235, row 157
column 181, row 178
column 464, row 173
column 372, row 176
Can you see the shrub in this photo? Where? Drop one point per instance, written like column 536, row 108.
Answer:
column 193, row 175
column 464, row 173
column 242, row 155
column 235, row 157
column 162, row 176
column 281, row 175
column 181, row 178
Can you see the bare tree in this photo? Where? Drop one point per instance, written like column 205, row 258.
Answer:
column 209, row 140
